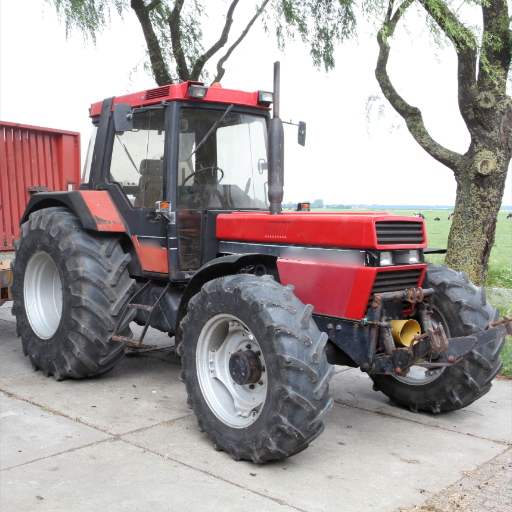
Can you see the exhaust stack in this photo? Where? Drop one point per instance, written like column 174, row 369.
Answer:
column 276, row 151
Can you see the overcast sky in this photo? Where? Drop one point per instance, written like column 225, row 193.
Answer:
column 46, row 80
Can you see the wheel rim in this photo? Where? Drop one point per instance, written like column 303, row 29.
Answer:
column 43, row 295
column 417, row 375
column 236, row 405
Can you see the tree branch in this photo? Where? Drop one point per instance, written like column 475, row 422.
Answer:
column 496, row 46
column 465, row 45
column 152, row 5
column 158, row 66
column 220, row 69
column 177, row 50
column 411, row 115
column 201, row 61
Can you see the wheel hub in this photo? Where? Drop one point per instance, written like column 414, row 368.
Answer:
column 231, row 370
column 245, row 367
column 43, row 295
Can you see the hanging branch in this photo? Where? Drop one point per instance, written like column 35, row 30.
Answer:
column 411, row 115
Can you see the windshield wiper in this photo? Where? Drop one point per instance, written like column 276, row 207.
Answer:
column 212, row 129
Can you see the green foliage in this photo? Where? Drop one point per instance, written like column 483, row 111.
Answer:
column 319, row 24
column 89, row 17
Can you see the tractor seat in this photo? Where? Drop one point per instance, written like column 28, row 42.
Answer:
column 151, row 182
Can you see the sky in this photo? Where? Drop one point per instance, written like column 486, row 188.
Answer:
column 48, row 80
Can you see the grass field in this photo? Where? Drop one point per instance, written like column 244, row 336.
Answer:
column 499, row 280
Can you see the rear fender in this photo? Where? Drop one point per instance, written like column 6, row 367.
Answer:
column 96, row 211
column 219, row 267
column 94, row 208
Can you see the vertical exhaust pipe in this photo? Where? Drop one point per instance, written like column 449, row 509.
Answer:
column 276, row 150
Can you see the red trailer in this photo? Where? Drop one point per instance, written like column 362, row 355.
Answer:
column 32, row 160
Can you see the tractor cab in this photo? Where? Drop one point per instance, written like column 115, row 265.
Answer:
column 175, row 157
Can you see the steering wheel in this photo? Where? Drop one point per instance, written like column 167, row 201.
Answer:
column 195, row 173
column 210, row 188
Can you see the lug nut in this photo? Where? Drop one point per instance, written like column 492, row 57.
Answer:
column 260, row 383
column 330, row 326
column 338, row 327
column 398, row 371
column 262, row 368
column 248, row 346
column 251, row 386
column 258, row 353
column 451, row 359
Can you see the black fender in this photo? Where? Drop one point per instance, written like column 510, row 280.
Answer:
column 219, row 267
column 73, row 200
column 96, row 212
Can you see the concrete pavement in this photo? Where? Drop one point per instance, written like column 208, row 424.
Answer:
column 127, row 441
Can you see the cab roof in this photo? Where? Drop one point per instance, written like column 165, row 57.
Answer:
column 174, row 92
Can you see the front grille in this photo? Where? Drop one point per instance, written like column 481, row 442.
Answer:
column 159, row 92
column 399, row 233
column 395, row 281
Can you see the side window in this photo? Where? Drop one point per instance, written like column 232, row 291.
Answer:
column 138, row 159
column 88, row 159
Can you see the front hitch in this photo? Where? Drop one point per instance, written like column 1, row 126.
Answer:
column 369, row 345
column 433, row 345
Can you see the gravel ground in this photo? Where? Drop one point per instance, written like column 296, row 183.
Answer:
column 488, row 488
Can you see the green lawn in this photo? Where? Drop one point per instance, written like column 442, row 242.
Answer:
column 500, row 273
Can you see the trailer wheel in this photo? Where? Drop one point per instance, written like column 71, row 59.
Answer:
column 463, row 309
column 68, row 289
column 255, row 368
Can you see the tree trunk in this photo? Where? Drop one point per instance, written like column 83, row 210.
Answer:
column 480, row 180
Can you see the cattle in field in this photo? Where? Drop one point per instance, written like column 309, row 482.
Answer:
column 437, row 218
column 509, row 216
column 420, row 215
column 450, row 217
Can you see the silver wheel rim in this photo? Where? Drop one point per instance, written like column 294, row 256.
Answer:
column 236, row 405
column 42, row 291
column 417, row 375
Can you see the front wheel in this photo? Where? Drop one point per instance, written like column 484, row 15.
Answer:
column 255, row 368
column 462, row 309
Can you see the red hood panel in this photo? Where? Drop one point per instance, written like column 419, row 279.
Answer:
column 348, row 230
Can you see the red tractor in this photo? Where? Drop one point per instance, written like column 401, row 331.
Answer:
column 177, row 225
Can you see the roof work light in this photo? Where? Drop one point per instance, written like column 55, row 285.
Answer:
column 197, row 91
column 265, row 97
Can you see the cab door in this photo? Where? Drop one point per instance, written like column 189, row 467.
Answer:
column 136, row 179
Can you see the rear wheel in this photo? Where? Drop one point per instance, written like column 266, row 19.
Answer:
column 69, row 287
column 462, row 309
column 255, row 368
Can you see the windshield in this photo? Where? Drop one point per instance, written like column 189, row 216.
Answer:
column 229, row 168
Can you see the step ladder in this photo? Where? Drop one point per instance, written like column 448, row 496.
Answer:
column 132, row 342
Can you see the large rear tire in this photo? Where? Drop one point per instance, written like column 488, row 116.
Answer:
column 463, row 309
column 69, row 287
column 280, row 411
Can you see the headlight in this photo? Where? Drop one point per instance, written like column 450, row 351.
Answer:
column 414, row 256
column 197, row 91
column 386, row 258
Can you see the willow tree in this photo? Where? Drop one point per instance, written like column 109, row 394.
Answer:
column 483, row 68
column 173, row 32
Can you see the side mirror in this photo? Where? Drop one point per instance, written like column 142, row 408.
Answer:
column 302, row 133
column 123, row 120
